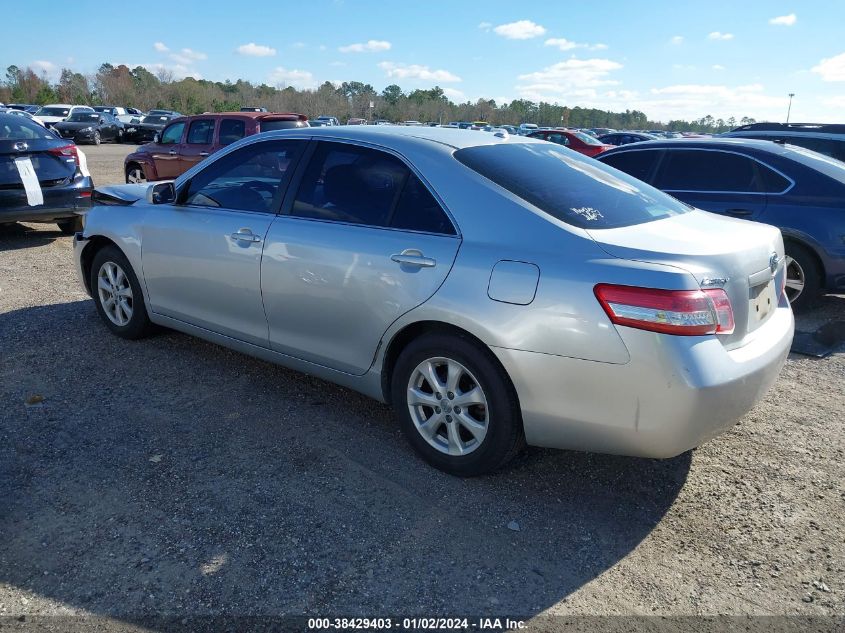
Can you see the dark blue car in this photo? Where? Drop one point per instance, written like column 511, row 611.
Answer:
column 799, row 191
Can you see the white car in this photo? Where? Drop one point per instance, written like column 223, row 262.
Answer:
column 124, row 115
column 55, row 112
column 25, row 115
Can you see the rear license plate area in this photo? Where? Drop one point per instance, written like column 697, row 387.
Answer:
column 763, row 302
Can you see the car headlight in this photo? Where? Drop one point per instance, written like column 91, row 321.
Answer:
column 87, row 129
column 131, row 129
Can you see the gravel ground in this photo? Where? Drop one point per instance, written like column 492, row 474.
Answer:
column 173, row 476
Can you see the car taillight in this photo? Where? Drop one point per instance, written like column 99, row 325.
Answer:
column 66, row 151
column 681, row 312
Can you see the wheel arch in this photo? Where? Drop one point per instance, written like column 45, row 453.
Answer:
column 95, row 244
column 790, row 238
column 415, row 330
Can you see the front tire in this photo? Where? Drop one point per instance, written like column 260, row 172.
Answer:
column 117, row 294
column 456, row 405
column 70, row 225
column 803, row 277
column 97, row 139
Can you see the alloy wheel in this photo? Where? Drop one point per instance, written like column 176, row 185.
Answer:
column 115, row 293
column 795, row 279
column 448, row 406
column 135, row 175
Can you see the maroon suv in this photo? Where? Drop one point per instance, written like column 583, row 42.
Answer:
column 187, row 140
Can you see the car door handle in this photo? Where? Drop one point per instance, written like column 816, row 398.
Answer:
column 172, row 152
column 739, row 212
column 203, row 153
column 413, row 257
column 245, row 235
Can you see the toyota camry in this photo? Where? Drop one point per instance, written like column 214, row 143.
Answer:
column 496, row 290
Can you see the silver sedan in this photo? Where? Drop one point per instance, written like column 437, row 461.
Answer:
column 496, row 290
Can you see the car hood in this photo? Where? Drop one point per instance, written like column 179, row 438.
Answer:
column 50, row 119
column 123, row 195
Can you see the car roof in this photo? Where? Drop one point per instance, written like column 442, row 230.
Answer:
column 261, row 115
column 706, row 143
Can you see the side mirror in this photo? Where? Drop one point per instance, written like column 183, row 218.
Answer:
column 156, row 138
column 162, row 193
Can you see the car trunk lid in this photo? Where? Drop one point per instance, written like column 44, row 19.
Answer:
column 745, row 258
column 54, row 163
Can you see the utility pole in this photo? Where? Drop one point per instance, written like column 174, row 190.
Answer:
column 789, row 110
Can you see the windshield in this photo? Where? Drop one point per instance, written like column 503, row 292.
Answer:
column 570, row 187
column 586, row 138
column 155, row 119
column 45, row 111
column 79, row 117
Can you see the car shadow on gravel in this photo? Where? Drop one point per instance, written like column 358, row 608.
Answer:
column 17, row 236
column 172, row 476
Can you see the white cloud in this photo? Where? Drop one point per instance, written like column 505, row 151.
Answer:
column 784, row 20
column 568, row 80
column 837, row 102
column 48, row 68
column 415, row 71
column 831, row 68
column 455, row 95
column 677, row 39
column 567, row 45
column 717, row 67
column 187, row 56
column 255, row 50
column 370, row 46
column 179, row 71
column 520, row 30
column 298, row 45
column 485, row 26
column 161, row 47
column 716, row 35
column 337, row 64
column 295, row 78
column 692, row 101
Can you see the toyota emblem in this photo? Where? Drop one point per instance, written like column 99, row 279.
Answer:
column 21, row 146
column 773, row 262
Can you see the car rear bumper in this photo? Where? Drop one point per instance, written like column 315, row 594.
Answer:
column 674, row 394
column 59, row 202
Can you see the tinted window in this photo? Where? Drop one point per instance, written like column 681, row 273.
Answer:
column 201, row 132
column 560, row 139
column 18, row 128
column 172, row 134
column 638, row 164
column 828, row 166
column 568, row 186
column 703, row 170
column 346, row 183
column 417, row 210
column 770, row 181
column 231, row 130
column 250, row 179
column 268, row 126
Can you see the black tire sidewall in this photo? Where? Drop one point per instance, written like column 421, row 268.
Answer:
column 812, row 276
column 139, row 324
column 504, row 433
column 96, row 138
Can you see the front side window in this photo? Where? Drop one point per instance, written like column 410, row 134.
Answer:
column 348, row 183
column 172, row 134
column 252, row 178
column 201, row 132
column 570, row 187
column 560, row 139
column 231, row 130
column 702, row 170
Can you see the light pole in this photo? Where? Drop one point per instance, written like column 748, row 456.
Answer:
column 789, row 109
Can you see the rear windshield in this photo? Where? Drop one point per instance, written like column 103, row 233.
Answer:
column 52, row 112
column 17, row 128
column 570, row 187
column 587, row 139
column 827, row 165
column 80, row 117
column 267, row 126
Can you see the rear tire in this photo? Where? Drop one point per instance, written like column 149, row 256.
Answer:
column 475, row 426
column 97, row 139
column 803, row 277
column 70, row 225
column 118, row 295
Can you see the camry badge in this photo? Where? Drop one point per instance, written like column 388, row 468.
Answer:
column 20, row 146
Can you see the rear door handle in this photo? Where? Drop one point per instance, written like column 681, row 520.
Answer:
column 413, row 257
column 172, row 152
column 245, row 235
column 739, row 212
column 203, row 153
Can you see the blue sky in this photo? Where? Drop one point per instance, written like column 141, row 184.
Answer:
column 668, row 59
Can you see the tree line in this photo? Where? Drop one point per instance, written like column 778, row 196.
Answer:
column 138, row 87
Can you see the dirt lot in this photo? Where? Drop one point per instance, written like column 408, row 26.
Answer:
column 176, row 477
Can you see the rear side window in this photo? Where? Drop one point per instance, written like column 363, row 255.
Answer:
column 570, row 187
column 771, row 181
column 639, row 164
column 706, row 170
column 172, row 134
column 417, row 210
column 231, row 130
column 252, row 178
column 560, row 139
column 201, row 132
